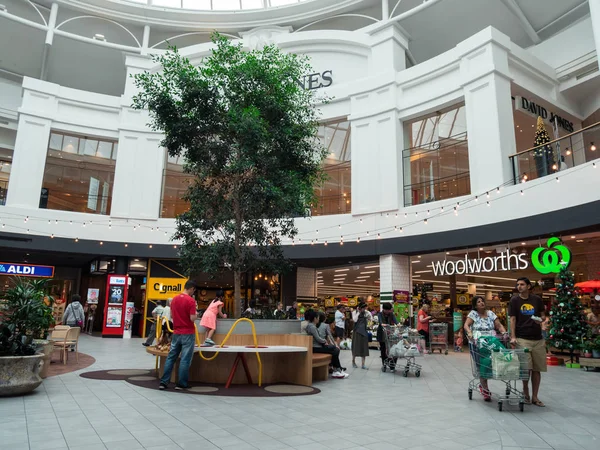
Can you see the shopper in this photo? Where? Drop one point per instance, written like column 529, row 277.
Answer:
column 360, row 335
column 250, row 311
column 320, row 344
column 484, row 321
column 279, row 314
column 593, row 319
column 386, row 319
column 423, row 320
column 74, row 314
column 157, row 313
column 293, row 311
column 209, row 318
column 340, row 324
column 526, row 312
column 184, row 315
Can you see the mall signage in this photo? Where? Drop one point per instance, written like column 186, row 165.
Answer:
column 164, row 288
column 533, row 109
column 26, row 270
column 317, row 80
column 545, row 260
column 505, row 261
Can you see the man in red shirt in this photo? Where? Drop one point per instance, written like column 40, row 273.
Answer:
column 183, row 315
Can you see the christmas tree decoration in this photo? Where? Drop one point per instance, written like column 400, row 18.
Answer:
column 543, row 154
column 568, row 326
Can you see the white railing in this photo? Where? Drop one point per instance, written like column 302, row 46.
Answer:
column 218, row 5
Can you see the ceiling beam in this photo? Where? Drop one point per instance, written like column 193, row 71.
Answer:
column 517, row 11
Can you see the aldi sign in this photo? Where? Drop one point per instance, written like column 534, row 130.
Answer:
column 26, row 270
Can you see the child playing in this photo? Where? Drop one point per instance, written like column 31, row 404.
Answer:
column 209, row 318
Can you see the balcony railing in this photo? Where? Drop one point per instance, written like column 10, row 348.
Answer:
column 560, row 154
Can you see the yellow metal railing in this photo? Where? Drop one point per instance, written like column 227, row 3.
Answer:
column 159, row 326
column 225, row 340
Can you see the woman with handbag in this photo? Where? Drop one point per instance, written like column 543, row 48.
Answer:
column 74, row 314
column 482, row 320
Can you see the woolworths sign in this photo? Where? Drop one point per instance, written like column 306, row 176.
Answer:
column 545, row 260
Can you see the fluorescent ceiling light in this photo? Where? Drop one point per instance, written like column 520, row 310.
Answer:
column 416, row 276
column 372, row 271
column 364, row 277
column 372, row 267
column 424, row 271
column 338, row 282
column 319, row 273
column 341, row 270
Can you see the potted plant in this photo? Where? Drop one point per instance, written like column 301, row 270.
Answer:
column 26, row 315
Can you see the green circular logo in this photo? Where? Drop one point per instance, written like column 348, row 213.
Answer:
column 551, row 259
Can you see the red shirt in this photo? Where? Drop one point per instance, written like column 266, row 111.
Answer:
column 422, row 325
column 182, row 307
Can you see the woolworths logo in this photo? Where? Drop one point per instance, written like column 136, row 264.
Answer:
column 505, row 261
column 546, row 260
column 550, row 259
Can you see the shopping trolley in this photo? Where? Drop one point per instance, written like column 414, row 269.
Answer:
column 401, row 343
column 438, row 337
column 490, row 359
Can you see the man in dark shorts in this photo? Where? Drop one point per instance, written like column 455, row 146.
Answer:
column 526, row 312
column 340, row 324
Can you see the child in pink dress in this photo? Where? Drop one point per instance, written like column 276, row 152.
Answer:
column 209, row 318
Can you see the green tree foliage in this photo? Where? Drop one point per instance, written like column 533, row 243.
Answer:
column 247, row 130
column 568, row 328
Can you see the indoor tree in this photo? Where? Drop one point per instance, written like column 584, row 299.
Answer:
column 568, row 328
column 247, row 129
column 543, row 154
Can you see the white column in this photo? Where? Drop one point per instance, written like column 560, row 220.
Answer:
column 29, row 161
column 595, row 16
column 306, row 284
column 137, row 190
column 388, row 49
column 377, row 178
column 489, row 111
column 394, row 275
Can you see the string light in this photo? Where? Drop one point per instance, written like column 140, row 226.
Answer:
column 126, row 245
column 150, row 246
column 522, row 193
column 358, row 240
column 76, row 239
column 367, row 233
column 498, row 189
column 488, row 203
column 557, row 180
column 378, row 236
column 425, row 221
column 52, row 236
column 101, row 243
column 325, row 243
column 487, row 194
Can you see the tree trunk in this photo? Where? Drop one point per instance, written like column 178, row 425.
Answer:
column 237, row 294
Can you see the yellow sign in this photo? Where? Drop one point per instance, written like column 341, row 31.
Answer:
column 164, row 288
column 462, row 299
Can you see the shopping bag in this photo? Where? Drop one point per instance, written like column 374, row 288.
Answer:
column 505, row 365
column 397, row 351
column 413, row 350
column 485, row 367
column 488, row 344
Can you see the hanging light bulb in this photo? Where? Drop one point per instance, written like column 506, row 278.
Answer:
column 568, row 151
column 522, row 193
column 325, row 242
column 358, row 240
column 101, row 243
column 378, row 236
column 425, row 221
column 51, row 236
column 488, row 203
column 557, row 180
column 592, row 147
column 76, row 239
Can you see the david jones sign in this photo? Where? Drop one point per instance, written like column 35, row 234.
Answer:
column 535, row 110
column 317, row 80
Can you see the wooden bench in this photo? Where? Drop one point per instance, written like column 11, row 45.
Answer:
column 320, row 366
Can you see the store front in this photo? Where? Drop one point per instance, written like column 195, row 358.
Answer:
column 61, row 282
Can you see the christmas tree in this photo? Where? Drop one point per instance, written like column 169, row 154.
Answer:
column 543, row 154
column 568, row 329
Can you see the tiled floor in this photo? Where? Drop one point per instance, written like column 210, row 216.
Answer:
column 370, row 410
